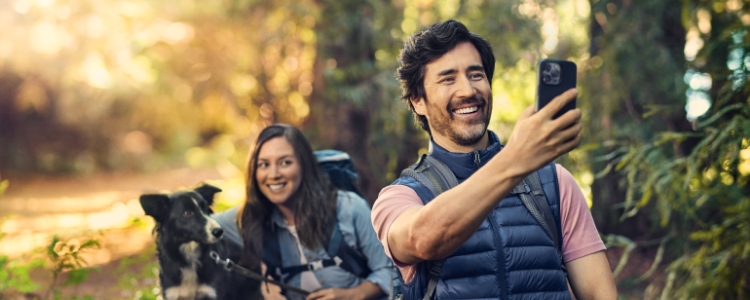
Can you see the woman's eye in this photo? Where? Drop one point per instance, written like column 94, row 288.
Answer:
column 286, row 162
column 262, row 165
column 187, row 214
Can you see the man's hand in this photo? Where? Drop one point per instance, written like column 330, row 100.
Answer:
column 537, row 139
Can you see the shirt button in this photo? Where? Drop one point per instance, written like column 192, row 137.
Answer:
column 322, row 280
column 309, row 257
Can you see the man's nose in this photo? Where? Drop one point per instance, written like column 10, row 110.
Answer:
column 465, row 88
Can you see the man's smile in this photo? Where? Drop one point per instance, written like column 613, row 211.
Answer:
column 466, row 110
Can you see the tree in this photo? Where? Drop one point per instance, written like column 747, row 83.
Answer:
column 688, row 179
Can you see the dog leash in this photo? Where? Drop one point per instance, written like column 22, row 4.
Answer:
column 231, row 266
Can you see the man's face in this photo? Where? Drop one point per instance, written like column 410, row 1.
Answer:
column 457, row 102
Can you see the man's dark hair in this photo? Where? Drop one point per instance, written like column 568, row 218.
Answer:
column 428, row 45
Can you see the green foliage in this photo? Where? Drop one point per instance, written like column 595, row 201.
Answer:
column 3, row 187
column 701, row 198
column 685, row 182
column 14, row 275
column 65, row 257
column 142, row 284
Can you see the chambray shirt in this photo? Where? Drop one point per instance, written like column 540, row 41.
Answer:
column 353, row 215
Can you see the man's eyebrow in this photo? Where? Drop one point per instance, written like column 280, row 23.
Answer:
column 447, row 72
column 476, row 68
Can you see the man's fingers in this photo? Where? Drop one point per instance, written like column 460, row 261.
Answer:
column 570, row 132
column 558, row 102
column 569, row 118
column 527, row 112
column 571, row 144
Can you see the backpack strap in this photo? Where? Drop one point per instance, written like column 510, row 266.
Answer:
column 548, row 220
column 347, row 258
column 272, row 256
column 341, row 255
column 433, row 174
column 532, row 195
column 438, row 178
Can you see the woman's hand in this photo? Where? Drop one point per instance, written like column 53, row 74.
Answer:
column 366, row 290
column 333, row 294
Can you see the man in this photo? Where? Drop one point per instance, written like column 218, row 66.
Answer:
column 490, row 245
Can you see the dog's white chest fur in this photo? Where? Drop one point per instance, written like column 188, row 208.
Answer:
column 189, row 288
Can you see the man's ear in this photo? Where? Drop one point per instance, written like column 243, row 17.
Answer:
column 207, row 191
column 420, row 107
column 156, row 206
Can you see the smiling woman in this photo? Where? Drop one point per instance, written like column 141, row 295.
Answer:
column 293, row 215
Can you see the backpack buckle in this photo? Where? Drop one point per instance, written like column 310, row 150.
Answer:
column 316, row 265
column 338, row 261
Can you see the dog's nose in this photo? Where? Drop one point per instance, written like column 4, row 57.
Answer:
column 217, row 232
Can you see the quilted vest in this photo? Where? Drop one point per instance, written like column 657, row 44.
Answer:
column 509, row 256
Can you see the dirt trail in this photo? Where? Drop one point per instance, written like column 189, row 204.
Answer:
column 34, row 209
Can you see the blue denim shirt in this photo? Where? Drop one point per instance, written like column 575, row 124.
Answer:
column 353, row 215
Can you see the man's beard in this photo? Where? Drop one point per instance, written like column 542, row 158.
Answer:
column 472, row 132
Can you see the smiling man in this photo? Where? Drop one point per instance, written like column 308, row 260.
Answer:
column 488, row 244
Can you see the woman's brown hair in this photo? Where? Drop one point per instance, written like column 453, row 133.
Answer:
column 315, row 207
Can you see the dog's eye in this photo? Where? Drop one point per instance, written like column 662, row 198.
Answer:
column 187, row 214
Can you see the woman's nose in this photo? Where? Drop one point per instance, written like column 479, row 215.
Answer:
column 275, row 173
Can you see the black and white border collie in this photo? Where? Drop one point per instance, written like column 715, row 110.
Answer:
column 185, row 234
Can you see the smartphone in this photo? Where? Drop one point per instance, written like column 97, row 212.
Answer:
column 553, row 78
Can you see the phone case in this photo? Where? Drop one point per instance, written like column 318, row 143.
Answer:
column 553, row 78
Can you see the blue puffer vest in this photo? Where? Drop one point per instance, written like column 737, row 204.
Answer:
column 509, row 257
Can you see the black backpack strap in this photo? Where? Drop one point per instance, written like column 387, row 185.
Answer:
column 272, row 256
column 346, row 257
column 438, row 178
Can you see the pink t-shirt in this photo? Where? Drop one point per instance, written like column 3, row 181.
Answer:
column 580, row 237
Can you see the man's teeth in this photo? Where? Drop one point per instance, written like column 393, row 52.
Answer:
column 467, row 110
column 276, row 186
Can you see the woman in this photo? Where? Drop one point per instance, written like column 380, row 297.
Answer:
column 290, row 200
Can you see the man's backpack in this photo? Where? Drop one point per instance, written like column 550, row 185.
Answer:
column 438, row 178
column 339, row 168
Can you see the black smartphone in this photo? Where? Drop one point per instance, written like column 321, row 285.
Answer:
column 553, row 78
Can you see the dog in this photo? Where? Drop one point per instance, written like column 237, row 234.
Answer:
column 185, row 235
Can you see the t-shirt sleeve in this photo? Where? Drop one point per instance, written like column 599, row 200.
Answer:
column 391, row 202
column 580, row 237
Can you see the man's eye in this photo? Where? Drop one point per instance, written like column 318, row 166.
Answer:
column 477, row 76
column 187, row 214
column 448, row 80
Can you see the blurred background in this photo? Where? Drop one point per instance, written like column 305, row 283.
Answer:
column 102, row 100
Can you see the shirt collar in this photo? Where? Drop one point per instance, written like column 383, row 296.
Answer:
column 465, row 164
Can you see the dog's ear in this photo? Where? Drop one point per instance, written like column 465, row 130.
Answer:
column 207, row 191
column 156, row 206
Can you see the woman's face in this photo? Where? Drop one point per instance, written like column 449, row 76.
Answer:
column 278, row 172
